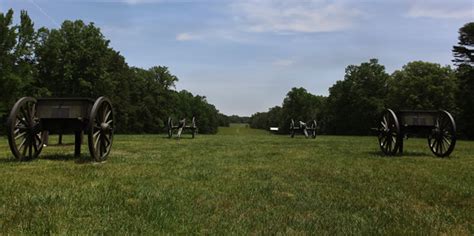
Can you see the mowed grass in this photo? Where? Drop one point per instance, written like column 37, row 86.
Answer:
column 240, row 181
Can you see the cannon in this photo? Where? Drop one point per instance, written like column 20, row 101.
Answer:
column 30, row 118
column 181, row 126
column 439, row 126
column 307, row 129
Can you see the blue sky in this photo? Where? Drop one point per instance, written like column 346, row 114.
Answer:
column 244, row 56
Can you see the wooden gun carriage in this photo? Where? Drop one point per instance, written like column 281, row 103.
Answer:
column 30, row 117
column 172, row 127
column 439, row 126
column 308, row 129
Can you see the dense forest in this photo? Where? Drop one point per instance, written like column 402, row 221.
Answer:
column 355, row 103
column 77, row 61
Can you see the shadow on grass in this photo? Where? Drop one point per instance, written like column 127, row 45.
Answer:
column 8, row 160
column 176, row 138
column 61, row 145
column 405, row 154
column 77, row 160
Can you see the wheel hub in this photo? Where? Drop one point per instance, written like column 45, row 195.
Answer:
column 105, row 127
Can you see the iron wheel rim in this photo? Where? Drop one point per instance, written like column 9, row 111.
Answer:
column 24, row 130
column 389, row 132
column 442, row 138
column 101, row 129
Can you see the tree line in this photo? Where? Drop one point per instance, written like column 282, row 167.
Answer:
column 76, row 60
column 355, row 103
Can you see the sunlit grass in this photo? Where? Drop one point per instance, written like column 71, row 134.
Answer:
column 241, row 181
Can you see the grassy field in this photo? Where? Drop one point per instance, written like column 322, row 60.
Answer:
column 240, row 181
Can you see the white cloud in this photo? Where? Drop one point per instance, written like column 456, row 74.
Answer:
column 283, row 62
column 446, row 10
column 187, row 37
column 284, row 16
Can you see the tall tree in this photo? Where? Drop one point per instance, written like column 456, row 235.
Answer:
column 17, row 60
column 299, row 105
column 423, row 85
column 8, row 83
column 354, row 104
column 464, row 51
column 464, row 58
column 74, row 61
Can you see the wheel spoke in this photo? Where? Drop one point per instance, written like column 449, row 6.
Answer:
column 25, row 147
column 441, row 146
column 96, row 134
column 24, row 116
column 107, row 139
column 30, row 150
column 96, row 143
column 382, row 139
column 22, row 144
column 38, row 138
column 389, row 143
column 107, row 115
column 438, row 146
column 23, row 121
column 447, row 141
column 103, row 113
column 102, row 146
column 20, row 135
column 384, row 144
column 24, row 113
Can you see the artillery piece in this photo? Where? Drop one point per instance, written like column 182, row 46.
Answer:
column 30, row 117
column 307, row 129
column 439, row 126
column 181, row 126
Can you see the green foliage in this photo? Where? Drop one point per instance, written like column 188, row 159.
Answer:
column 74, row 61
column 354, row 104
column 188, row 106
column 259, row 120
column 77, row 61
column 223, row 120
column 464, row 58
column 423, row 85
column 464, row 51
column 238, row 119
column 298, row 105
column 465, row 100
column 16, row 61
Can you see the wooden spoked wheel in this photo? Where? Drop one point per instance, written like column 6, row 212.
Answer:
column 442, row 138
column 24, row 130
column 193, row 127
column 170, row 127
column 292, row 128
column 101, row 129
column 313, row 127
column 389, row 133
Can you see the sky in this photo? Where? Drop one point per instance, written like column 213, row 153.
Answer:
column 245, row 55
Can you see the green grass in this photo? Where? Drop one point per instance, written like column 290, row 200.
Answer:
column 240, row 181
